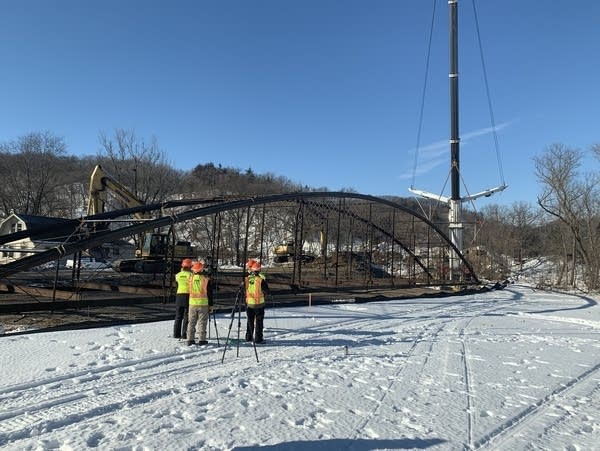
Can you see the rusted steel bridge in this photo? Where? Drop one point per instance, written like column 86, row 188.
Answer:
column 334, row 241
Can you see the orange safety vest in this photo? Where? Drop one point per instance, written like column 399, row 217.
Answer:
column 183, row 281
column 254, row 294
column 198, row 290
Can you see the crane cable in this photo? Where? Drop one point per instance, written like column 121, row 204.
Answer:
column 425, row 78
column 487, row 89
column 421, row 113
column 491, row 111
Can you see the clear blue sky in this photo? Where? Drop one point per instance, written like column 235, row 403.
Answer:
column 326, row 93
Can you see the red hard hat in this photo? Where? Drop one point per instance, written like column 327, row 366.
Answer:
column 253, row 265
column 197, row 266
column 186, row 263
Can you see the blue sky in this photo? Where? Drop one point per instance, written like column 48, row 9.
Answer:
column 326, row 93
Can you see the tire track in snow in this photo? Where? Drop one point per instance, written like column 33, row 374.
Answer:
column 80, row 400
column 94, row 403
column 89, row 402
column 468, row 374
column 558, row 425
column 75, row 402
column 372, row 415
column 424, row 337
column 504, row 432
column 452, row 313
column 16, row 394
column 468, row 378
column 156, row 361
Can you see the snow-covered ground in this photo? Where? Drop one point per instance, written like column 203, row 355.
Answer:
column 508, row 369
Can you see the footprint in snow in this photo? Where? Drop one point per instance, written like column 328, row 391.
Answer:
column 93, row 441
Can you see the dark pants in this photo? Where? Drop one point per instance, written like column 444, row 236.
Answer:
column 181, row 315
column 254, row 326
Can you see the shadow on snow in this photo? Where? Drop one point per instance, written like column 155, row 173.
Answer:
column 347, row 444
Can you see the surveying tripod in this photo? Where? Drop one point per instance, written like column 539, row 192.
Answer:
column 213, row 313
column 237, row 308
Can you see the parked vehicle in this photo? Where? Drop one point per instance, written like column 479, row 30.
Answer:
column 88, row 263
column 45, row 266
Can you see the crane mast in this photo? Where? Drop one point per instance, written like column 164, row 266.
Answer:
column 454, row 202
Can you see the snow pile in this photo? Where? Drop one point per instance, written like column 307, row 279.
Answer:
column 536, row 272
column 507, row 369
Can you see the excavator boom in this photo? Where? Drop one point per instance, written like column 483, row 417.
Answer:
column 100, row 182
column 153, row 248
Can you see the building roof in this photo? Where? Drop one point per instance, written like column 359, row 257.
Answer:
column 41, row 221
column 42, row 227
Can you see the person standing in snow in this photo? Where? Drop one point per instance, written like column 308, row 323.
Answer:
column 255, row 288
column 201, row 299
column 182, row 299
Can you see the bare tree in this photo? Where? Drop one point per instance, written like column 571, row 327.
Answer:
column 573, row 199
column 141, row 166
column 30, row 170
column 524, row 220
column 496, row 237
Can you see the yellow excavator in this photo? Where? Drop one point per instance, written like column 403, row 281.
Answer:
column 287, row 252
column 153, row 248
column 100, row 184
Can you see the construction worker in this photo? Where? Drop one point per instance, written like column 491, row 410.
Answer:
column 255, row 288
column 182, row 299
column 201, row 299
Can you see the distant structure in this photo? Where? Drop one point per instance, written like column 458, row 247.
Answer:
column 27, row 246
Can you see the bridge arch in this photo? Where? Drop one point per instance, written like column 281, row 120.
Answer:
column 367, row 240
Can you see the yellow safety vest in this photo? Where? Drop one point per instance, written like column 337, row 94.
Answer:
column 183, row 281
column 254, row 294
column 198, row 290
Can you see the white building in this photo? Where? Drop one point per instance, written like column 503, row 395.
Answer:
column 45, row 239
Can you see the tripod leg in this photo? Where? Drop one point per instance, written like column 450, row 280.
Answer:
column 216, row 330
column 254, row 344
column 235, row 306
column 238, row 331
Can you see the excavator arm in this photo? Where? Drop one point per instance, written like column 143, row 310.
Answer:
column 152, row 248
column 100, row 183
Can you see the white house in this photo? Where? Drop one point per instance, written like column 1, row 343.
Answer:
column 47, row 236
column 45, row 239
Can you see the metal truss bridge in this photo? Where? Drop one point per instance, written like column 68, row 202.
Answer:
column 336, row 240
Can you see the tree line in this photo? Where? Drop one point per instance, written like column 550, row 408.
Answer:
column 39, row 177
column 563, row 225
